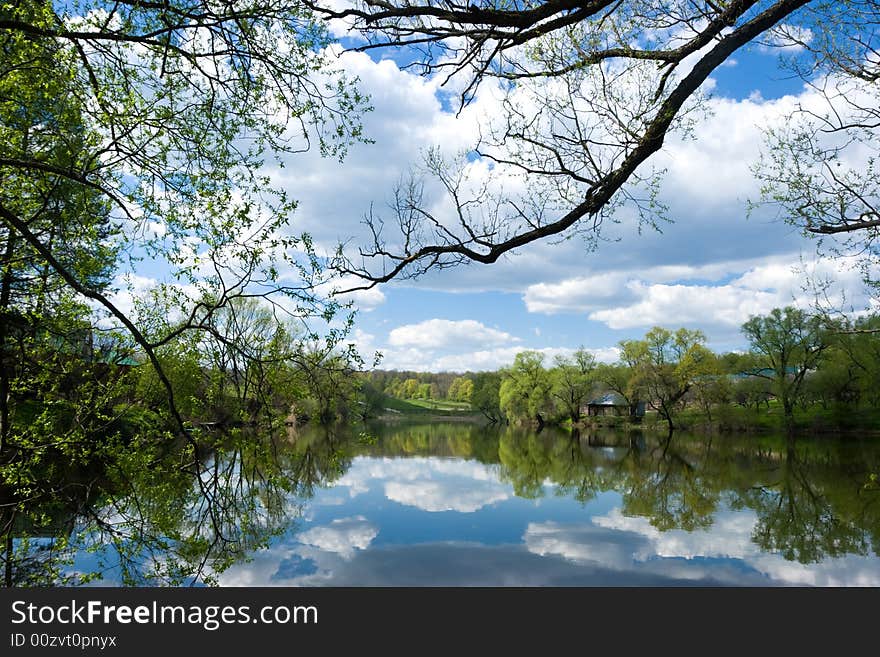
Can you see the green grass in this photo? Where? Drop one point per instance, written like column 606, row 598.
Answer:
column 427, row 406
column 814, row 418
column 440, row 404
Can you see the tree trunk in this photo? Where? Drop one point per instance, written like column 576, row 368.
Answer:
column 5, row 365
column 7, row 574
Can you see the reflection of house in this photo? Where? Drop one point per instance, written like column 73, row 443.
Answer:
column 613, row 403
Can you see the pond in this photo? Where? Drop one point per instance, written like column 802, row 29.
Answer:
column 455, row 504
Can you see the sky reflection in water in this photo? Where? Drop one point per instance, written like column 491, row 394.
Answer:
column 441, row 520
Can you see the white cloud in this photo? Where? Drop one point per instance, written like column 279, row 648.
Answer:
column 706, row 269
column 443, row 333
column 129, row 287
column 728, row 537
column 365, row 300
column 574, row 294
column 786, row 37
column 726, row 295
column 607, row 289
column 688, row 305
column 579, row 543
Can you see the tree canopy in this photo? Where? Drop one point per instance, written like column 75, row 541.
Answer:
column 168, row 115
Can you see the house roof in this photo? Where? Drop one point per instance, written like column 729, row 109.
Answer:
column 609, row 399
column 763, row 372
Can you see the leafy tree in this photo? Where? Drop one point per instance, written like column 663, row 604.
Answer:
column 734, row 362
column 860, row 342
column 525, row 389
column 461, row 389
column 40, row 315
column 664, row 365
column 330, row 381
column 486, row 395
column 835, row 380
column 789, row 343
column 672, row 494
column 709, row 386
column 749, row 390
column 175, row 112
column 525, row 462
column 410, row 388
column 798, row 518
column 371, row 399
column 820, row 166
column 572, row 382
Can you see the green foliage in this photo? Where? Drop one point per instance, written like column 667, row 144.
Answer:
column 572, row 382
column 860, row 342
column 788, row 343
column 616, row 377
column 663, row 366
column 461, row 389
column 524, row 394
column 371, row 399
column 486, row 395
column 410, row 388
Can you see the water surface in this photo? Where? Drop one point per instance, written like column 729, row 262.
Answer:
column 463, row 505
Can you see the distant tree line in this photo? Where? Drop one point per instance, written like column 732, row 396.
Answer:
column 796, row 361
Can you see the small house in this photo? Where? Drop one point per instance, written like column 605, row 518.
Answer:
column 613, row 403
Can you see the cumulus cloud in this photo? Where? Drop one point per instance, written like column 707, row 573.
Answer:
column 711, row 268
column 581, row 543
column 583, row 294
column 687, row 304
column 574, row 294
column 719, row 300
column 441, row 333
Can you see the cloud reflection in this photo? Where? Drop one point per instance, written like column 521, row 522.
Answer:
column 342, row 536
column 429, row 484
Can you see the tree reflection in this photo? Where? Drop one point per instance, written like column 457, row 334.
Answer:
column 670, row 490
column 804, row 514
column 139, row 517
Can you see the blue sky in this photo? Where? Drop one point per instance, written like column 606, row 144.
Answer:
column 710, row 269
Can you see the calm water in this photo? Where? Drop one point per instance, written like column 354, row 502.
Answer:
column 457, row 504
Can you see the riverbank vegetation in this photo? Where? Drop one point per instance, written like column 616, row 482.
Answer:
column 802, row 371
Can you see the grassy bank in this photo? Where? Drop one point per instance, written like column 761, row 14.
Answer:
column 767, row 419
column 425, row 408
